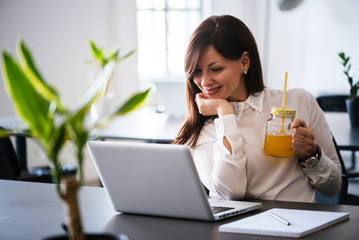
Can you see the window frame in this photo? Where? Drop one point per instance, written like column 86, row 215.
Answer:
column 168, row 75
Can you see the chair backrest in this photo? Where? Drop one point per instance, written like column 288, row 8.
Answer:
column 343, row 192
column 341, row 196
column 333, row 102
column 9, row 165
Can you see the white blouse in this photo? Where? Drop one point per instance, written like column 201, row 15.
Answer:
column 248, row 172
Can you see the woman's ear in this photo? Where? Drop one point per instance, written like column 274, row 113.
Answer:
column 245, row 61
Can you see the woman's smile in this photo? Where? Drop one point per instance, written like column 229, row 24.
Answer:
column 211, row 90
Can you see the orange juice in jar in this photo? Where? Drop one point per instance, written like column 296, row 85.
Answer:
column 278, row 137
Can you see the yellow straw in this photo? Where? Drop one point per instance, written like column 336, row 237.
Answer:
column 283, row 104
column 285, row 89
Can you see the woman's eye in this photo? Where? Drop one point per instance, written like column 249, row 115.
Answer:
column 216, row 69
column 197, row 71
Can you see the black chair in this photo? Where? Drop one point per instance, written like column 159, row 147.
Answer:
column 342, row 197
column 10, row 168
column 333, row 102
column 336, row 103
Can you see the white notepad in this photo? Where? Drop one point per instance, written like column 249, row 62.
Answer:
column 302, row 222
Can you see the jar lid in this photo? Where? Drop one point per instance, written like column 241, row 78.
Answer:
column 283, row 111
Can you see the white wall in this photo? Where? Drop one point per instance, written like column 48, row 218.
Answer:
column 305, row 42
column 57, row 32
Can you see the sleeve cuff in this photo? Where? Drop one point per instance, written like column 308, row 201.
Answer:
column 225, row 126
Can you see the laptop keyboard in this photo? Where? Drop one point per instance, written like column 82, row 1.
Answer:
column 219, row 209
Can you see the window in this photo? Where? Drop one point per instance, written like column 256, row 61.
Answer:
column 163, row 29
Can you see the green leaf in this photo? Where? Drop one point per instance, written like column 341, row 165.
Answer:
column 127, row 55
column 114, row 55
column 31, row 72
column 350, row 80
column 26, row 60
column 341, row 55
column 3, row 132
column 133, row 103
column 96, row 52
column 58, row 138
column 346, row 60
column 29, row 105
column 95, row 91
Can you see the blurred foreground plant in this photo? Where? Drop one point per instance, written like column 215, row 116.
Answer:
column 52, row 124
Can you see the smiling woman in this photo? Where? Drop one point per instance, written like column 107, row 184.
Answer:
column 228, row 108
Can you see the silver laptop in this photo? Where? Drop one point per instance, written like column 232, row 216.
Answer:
column 159, row 180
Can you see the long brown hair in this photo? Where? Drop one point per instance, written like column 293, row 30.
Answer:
column 231, row 38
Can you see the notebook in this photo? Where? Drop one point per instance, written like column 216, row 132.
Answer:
column 285, row 222
column 159, row 180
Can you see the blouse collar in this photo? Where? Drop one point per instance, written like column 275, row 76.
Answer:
column 255, row 101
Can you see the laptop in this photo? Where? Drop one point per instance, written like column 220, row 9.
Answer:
column 158, row 180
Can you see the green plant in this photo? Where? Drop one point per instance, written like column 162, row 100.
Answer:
column 52, row 124
column 112, row 56
column 102, row 59
column 347, row 66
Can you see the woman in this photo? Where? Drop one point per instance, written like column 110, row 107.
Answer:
column 228, row 106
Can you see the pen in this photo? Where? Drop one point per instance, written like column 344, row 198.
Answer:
column 279, row 218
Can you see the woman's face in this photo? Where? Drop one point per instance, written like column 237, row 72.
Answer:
column 219, row 77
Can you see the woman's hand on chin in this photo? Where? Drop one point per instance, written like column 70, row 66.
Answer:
column 209, row 107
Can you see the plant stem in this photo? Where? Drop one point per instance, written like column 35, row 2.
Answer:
column 73, row 221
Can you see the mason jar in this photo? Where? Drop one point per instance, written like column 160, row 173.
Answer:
column 278, row 139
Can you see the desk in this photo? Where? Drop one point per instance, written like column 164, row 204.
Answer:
column 33, row 211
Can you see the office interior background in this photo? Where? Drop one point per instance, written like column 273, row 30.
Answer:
column 301, row 37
